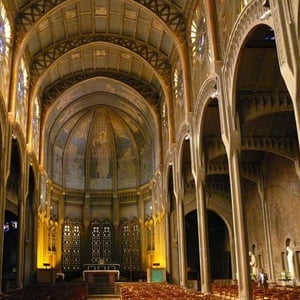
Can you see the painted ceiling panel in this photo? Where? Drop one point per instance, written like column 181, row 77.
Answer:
column 75, row 154
column 86, row 23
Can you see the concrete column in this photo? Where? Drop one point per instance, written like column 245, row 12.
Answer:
column 141, row 209
column 60, row 217
column 181, row 244
column 266, row 224
column 202, row 236
column 239, row 227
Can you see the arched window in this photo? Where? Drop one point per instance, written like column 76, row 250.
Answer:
column 36, row 126
column 5, row 43
column 95, row 241
column 71, row 245
column 76, row 246
column 125, row 245
column 22, row 96
column 198, row 34
column 135, row 244
column 106, row 241
column 100, row 241
column 178, row 86
column 130, row 245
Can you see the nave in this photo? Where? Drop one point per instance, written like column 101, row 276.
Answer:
column 150, row 133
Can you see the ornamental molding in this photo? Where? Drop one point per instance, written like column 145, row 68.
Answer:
column 248, row 19
column 285, row 147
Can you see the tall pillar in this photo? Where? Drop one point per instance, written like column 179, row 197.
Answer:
column 60, row 218
column 202, row 234
column 181, row 242
column 239, row 226
column 168, row 239
column 141, row 217
column 287, row 36
column 266, row 224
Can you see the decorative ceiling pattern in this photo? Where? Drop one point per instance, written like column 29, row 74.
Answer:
column 101, row 68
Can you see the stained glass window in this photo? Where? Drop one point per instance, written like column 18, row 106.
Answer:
column 5, row 43
column 76, row 246
column 100, row 241
column 95, row 242
column 71, row 245
column 106, row 241
column 125, row 246
column 178, row 86
column 135, row 244
column 198, row 34
column 22, row 94
column 36, row 126
column 131, row 244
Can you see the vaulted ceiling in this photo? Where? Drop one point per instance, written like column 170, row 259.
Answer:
column 100, row 66
column 102, row 69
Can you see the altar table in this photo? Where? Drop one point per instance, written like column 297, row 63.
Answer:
column 112, row 275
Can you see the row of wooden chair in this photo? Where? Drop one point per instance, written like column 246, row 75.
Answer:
column 157, row 291
column 219, row 290
column 59, row 291
column 229, row 290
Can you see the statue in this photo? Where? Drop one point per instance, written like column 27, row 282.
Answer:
column 253, row 263
column 290, row 261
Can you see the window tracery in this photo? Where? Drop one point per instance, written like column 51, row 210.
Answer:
column 5, row 45
column 107, row 241
column 178, row 86
column 125, row 246
column 36, row 126
column 101, row 241
column 95, row 234
column 135, row 244
column 198, row 34
column 71, row 243
column 22, row 93
column 130, row 245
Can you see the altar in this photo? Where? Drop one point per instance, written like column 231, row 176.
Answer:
column 108, row 272
column 110, row 275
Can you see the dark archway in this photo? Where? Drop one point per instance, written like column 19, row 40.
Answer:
column 192, row 246
column 11, row 222
column 30, row 224
column 220, row 258
column 10, row 249
column 173, row 238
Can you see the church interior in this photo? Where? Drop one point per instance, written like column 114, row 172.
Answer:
column 150, row 140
